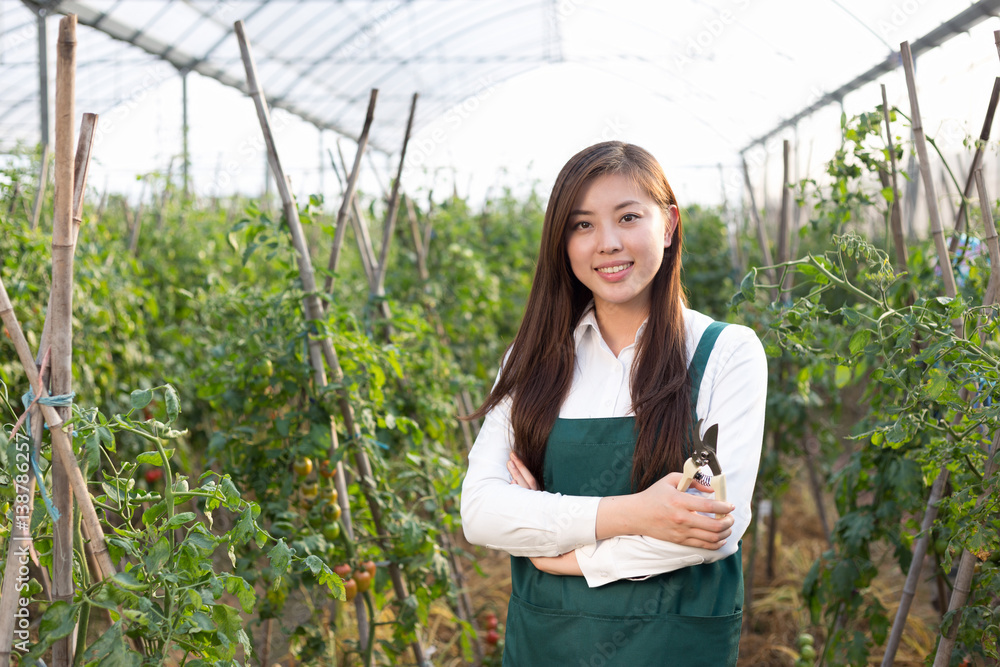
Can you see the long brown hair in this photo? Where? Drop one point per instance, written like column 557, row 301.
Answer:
column 539, row 367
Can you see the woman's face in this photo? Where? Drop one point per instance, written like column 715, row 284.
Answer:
column 615, row 238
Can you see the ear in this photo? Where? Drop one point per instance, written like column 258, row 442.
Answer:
column 673, row 217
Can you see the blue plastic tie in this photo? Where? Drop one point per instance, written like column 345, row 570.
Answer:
column 59, row 401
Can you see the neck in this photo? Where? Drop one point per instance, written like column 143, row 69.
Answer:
column 619, row 325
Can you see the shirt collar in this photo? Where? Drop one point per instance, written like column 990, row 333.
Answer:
column 588, row 322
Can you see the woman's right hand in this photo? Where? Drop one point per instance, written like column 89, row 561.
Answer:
column 664, row 513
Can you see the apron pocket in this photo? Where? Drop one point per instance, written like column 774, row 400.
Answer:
column 542, row 637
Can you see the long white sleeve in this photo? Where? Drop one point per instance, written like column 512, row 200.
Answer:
column 522, row 522
column 733, row 395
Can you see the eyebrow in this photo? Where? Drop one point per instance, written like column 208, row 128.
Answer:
column 624, row 204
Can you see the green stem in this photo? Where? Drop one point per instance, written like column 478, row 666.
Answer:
column 371, row 628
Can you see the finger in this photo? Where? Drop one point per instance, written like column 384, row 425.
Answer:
column 708, row 505
column 702, row 486
column 523, row 471
column 706, row 525
column 515, row 474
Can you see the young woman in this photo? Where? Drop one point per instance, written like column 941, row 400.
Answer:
column 576, row 468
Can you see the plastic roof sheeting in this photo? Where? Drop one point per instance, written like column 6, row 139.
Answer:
column 316, row 59
column 710, row 76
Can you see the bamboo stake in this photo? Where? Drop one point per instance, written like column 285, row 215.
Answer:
column 311, row 303
column 390, row 218
column 765, row 248
column 938, row 487
column 786, row 206
column 977, row 160
column 43, row 175
column 896, row 213
column 925, row 173
column 60, row 441
column 20, row 530
column 967, row 563
column 418, row 241
column 61, row 314
column 361, row 235
column 352, row 181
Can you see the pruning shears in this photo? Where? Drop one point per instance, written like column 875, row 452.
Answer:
column 704, row 454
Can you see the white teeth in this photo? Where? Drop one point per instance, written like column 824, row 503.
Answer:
column 614, row 269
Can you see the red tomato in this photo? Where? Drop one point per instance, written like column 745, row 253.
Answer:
column 154, row 475
column 350, row 589
column 343, row 571
column 491, row 622
column 363, row 580
column 492, row 637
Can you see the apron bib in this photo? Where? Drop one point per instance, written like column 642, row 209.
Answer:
column 689, row 617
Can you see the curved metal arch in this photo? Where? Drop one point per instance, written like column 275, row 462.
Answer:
column 467, row 27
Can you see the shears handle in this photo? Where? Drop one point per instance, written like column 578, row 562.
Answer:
column 690, row 470
column 719, row 484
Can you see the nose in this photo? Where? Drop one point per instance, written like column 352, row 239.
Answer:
column 609, row 241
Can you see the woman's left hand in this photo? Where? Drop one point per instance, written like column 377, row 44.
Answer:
column 565, row 565
column 519, row 473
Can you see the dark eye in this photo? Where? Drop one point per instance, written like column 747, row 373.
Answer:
column 629, row 217
column 583, row 224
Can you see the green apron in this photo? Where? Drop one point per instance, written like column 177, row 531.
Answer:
column 688, row 617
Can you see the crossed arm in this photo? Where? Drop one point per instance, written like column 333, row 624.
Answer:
column 677, row 512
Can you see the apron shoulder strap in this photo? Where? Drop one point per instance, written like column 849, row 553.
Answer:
column 696, row 370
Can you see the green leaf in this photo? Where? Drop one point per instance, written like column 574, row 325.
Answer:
column 58, row 621
column 158, row 555
column 842, row 376
column 938, row 383
column 281, row 557
column 111, row 639
column 748, row 286
column 129, row 582
column 153, row 457
column 153, row 513
column 180, row 519
column 851, row 317
column 173, row 403
column 243, row 591
column 859, row 340
column 140, row 398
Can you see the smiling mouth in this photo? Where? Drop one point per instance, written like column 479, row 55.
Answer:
column 614, row 269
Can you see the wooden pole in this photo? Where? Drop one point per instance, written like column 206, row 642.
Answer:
column 977, row 160
column 925, row 173
column 319, row 348
column 896, row 214
column 361, row 236
column 43, row 179
column 786, row 203
column 352, row 182
column 63, row 450
column 967, row 563
column 765, row 247
column 390, row 218
column 947, row 274
column 61, row 313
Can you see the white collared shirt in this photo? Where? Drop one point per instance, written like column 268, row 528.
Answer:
column 522, row 522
